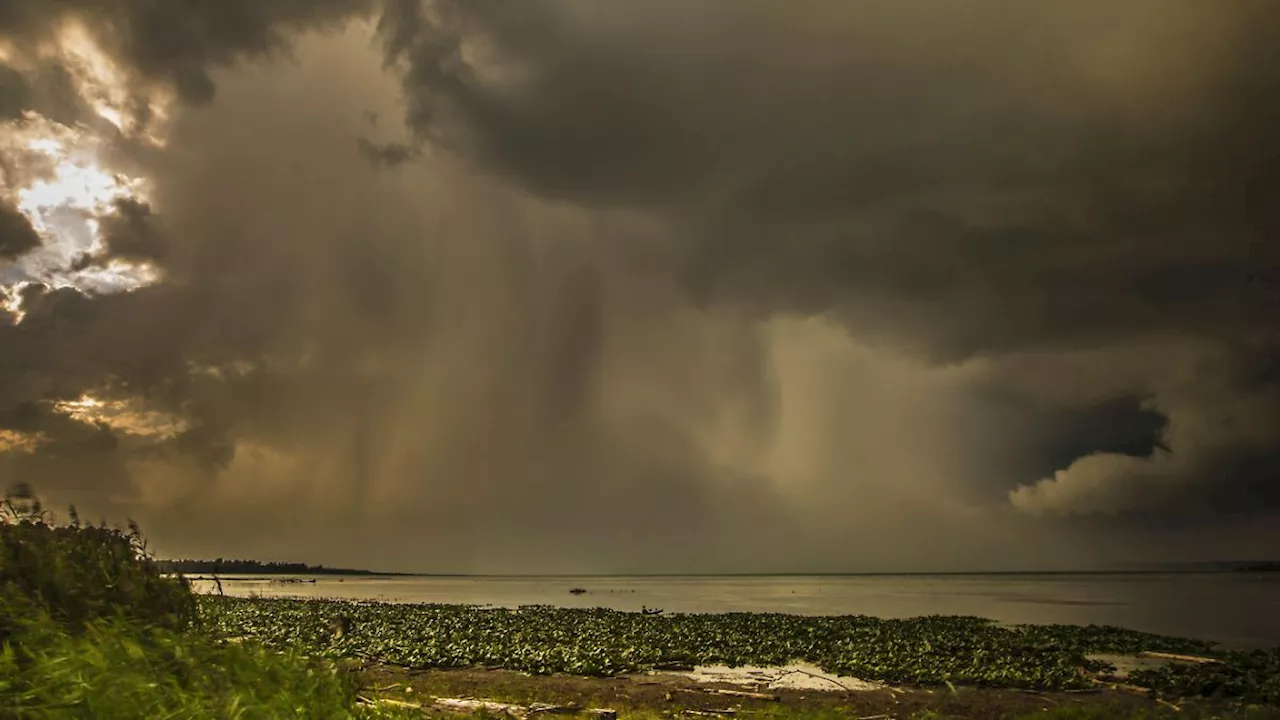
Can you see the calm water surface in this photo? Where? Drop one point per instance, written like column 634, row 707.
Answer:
column 1234, row 609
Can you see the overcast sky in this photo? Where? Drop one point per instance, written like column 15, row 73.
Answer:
column 624, row 286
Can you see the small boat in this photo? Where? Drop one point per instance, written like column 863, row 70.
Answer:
column 577, row 591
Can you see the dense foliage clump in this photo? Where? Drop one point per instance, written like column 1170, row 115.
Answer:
column 537, row 639
column 115, row 669
column 90, row 628
column 77, row 574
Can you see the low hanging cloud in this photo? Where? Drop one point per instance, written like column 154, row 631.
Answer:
column 1216, row 455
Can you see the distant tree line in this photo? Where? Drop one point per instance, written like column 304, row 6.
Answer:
column 240, row 567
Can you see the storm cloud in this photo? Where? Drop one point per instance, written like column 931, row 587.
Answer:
column 619, row 286
column 16, row 234
column 179, row 45
column 962, row 182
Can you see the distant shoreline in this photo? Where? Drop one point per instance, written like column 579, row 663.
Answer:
column 251, row 567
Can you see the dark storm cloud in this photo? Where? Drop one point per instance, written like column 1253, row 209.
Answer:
column 1215, row 456
column 1053, row 435
column 16, row 234
column 13, row 93
column 50, row 357
column 138, row 346
column 1086, row 172
column 179, row 44
column 964, row 181
column 349, row 370
column 143, row 343
column 44, row 86
column 583, row 336
column 388, row 154
column 130, row 232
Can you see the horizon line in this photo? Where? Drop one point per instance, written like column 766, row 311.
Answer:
column 919, row 573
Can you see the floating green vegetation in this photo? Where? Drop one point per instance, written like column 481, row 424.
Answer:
column 542, row 640
column 1253, row 676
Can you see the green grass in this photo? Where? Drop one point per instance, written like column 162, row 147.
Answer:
column 115, row 670
column 89, row 628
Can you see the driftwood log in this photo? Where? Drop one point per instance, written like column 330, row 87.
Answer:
column 471, row 705
column 730, row 693
column 1175, row 656
column 744, row 694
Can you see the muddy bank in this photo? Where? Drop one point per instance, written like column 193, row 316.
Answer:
column 681, row 694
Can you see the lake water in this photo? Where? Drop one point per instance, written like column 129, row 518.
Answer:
column 1236, row 609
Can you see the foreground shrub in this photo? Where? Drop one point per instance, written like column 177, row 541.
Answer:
column 76, row 574
column 90, row 628
column 113, row 669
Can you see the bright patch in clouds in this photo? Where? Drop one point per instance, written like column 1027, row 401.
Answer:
column 101, row 83
column 77, row 408
column 137, row 110
column 16, row 442
column 55, row 177
column 122, row 415
column 11, row 300
column 77, row 186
